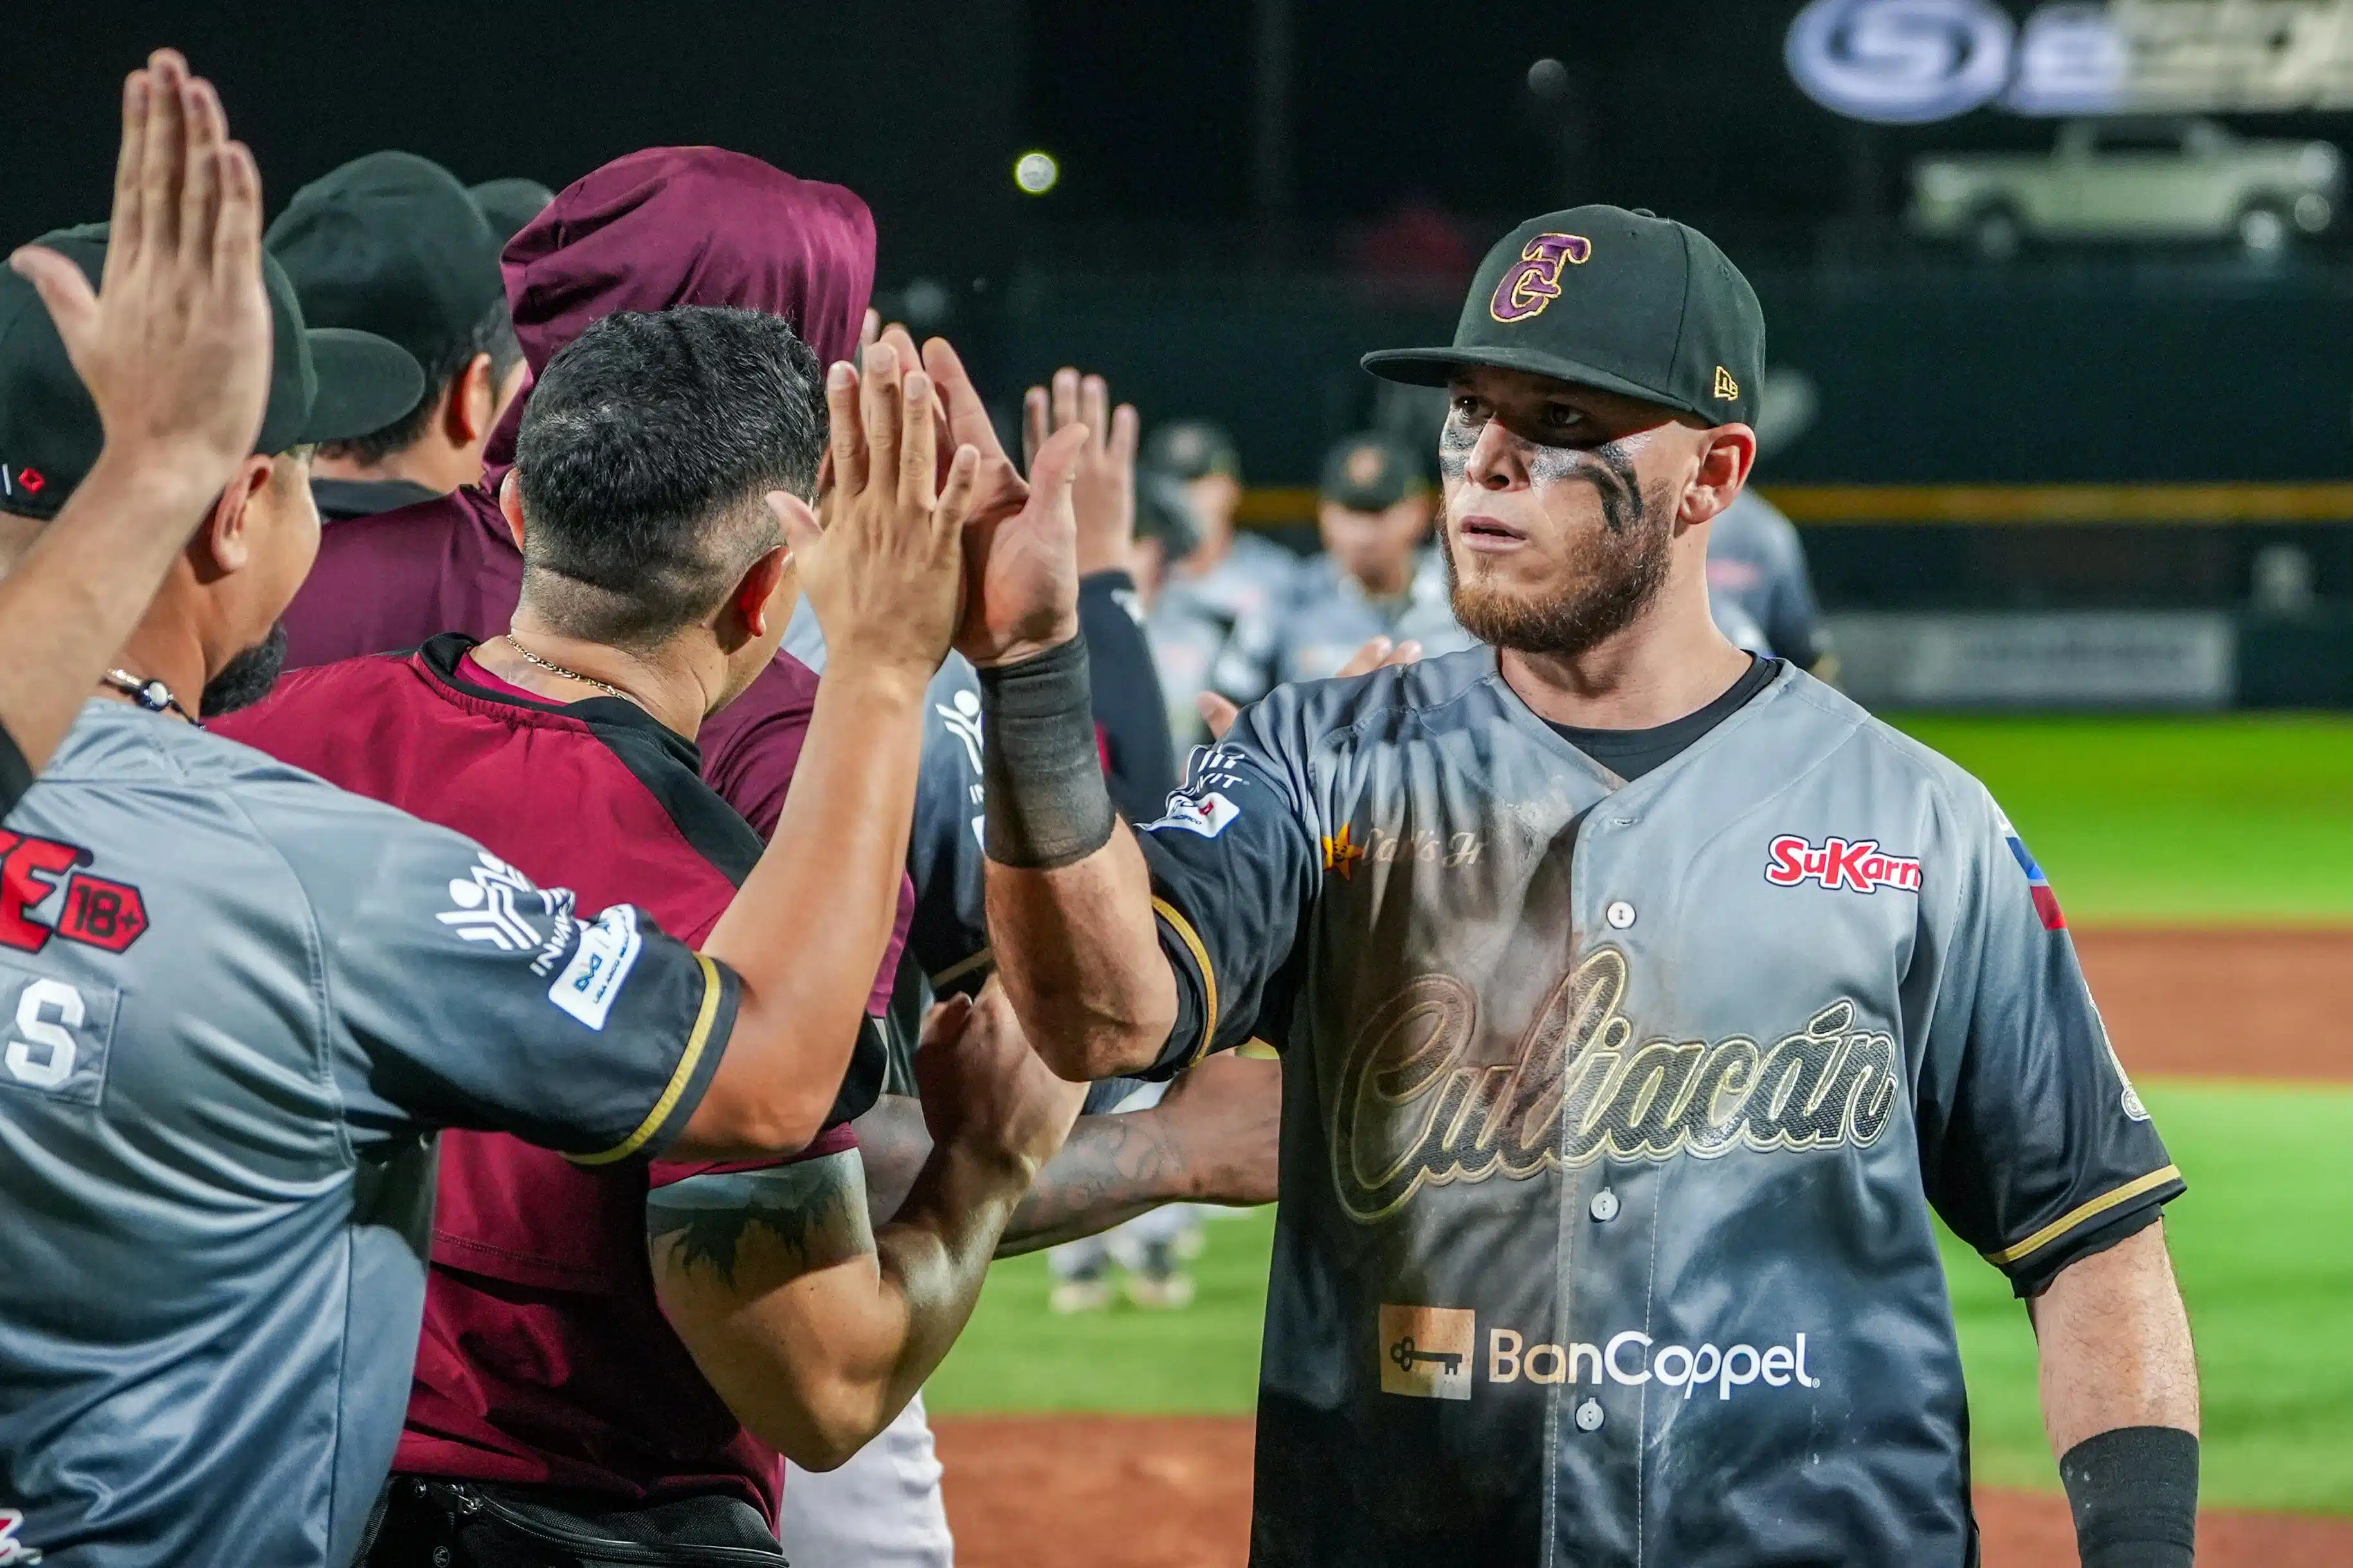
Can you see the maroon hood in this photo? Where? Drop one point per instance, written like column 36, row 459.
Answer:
column 687, row 225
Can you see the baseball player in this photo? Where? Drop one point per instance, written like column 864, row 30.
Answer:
column 1227, row 579
column 178, row 377
column 241, row 1002
column 1639, row 1000
column 1373, row 579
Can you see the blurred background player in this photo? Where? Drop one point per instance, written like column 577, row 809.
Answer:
column 1377, row 577
column 1758, row 585
column 392, row 244
column 507, row 204
column 1225, row 580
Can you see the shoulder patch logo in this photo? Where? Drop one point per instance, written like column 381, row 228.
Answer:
column 1208, row 817
column 97, row 912
column 2038, row 886
column 13, row 1550
column 1534, row 282
column 1859, row 866
column 488, row 898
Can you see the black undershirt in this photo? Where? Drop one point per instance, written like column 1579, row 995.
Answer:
column 16, row 773
column 1630, row 753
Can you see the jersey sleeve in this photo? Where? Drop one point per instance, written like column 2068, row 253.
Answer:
column 1235, row 864
column 2034, row 1146
column 458, row 995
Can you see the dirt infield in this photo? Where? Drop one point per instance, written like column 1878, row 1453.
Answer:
column 1123, row 1492
column 1174, row 1492
column 2227, row 1004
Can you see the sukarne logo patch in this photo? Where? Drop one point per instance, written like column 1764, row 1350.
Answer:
column 1857, row 866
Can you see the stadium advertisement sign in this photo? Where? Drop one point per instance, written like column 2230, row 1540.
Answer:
column 2079, row 658
column 1909, row 62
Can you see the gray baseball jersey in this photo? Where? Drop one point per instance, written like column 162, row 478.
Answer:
column 1756, row 567
column 1327, row 619
column 237, row 1001
column 1195, row 618
column 1614, row 1114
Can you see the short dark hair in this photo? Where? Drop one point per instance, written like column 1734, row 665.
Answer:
column 492, row 333
column 647, row 451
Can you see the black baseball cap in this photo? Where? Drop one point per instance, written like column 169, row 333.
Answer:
column 1371, row 472
column 391, row 244
column 326, row 384
column 1627, row 301
column 1165, row 512
column 508, row 205
column 1193, row 450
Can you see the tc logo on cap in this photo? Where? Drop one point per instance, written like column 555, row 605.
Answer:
column 1534, row 282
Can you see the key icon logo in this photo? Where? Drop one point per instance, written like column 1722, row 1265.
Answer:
column 1426, row 1352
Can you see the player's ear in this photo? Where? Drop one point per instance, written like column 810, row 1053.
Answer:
column 511, row 503
column 224, row 543
column 763, row 596
column 1727, row 452
column 470, row 403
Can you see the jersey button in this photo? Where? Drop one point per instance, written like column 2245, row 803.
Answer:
column 1605, row 1205
column 1620, row 915
column 1589, row 1416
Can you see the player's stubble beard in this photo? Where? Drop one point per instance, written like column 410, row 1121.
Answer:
column 1626, row 561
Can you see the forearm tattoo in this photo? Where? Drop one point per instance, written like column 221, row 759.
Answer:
column 1111, row 1169
column 771, row 1224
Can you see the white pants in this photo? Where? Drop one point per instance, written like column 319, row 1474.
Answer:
column 881, row 1510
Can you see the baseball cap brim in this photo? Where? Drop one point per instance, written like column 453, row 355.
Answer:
column 1438, row 367
column 366, row 382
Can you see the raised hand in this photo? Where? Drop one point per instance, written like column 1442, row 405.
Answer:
column 174, row 344
column 884, row 572
column 1220, row 713
column 984, row 1089
column 1103, row 489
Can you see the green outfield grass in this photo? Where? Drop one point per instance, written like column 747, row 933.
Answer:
column 2263, row 1241
column 2236, row 817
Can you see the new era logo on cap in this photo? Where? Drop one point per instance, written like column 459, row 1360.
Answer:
column 1726, row 389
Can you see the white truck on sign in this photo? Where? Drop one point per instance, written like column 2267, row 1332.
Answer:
column 2131, row 179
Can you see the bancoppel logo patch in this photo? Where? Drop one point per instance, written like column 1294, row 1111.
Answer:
column 1207, row 815
column 1633, row 1358
column 608, row 949
column 1427, row 1352
column 1859, row 866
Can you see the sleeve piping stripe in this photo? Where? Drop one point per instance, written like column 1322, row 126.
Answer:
column 2077, row 1215
column 1192, row 940
column 696, row 1040
column 962, row 967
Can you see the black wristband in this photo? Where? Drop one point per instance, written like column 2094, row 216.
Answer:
column 1041, row 772
column 2134, row 1492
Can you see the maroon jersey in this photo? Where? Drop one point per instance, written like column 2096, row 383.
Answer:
column 670, row 226
column 545, row 1358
